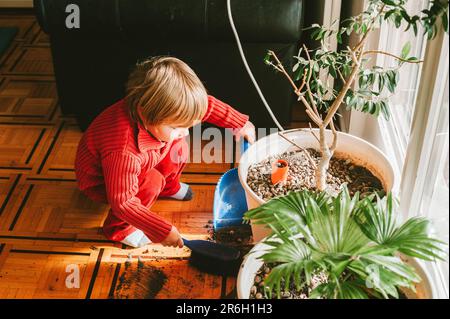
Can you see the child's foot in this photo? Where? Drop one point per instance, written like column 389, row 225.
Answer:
column 136, row 239
column 184, row 193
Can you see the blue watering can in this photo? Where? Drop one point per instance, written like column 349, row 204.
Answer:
column 229, row 198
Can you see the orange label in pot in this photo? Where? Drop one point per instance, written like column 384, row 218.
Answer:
column 280, row 169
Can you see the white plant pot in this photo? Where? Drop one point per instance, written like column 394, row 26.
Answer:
column 358, row 150
column 251, row 264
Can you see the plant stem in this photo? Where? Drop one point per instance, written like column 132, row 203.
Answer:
column 391, row 55
column 311, row 131
column 308, row 89
column 335, row 137
column 311, row 113
column 324, row 162
column 340, row 98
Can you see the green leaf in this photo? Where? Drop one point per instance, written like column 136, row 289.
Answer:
column 316, row 67
column 391, row 81
column 415, row 28
column 389, row 13
column 378, row 279
column 267, row 58
column 339, row 37
column 378, row 223
column 398, row 21
column 385, row 110
column 380, row 83
column 364, row 28
column 332, row 71
column 394, row 265
column 406, row 49
column 362, row 82
column 445, row 21
column 352, row 290
column 405, row 16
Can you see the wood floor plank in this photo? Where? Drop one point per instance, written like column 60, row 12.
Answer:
column 41, row 274
column 27, row 100
column 31, row 61
column 19, row 145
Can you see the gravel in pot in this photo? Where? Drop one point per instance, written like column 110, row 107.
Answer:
column 301, row 176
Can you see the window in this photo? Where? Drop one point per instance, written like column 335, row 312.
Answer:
column 430, row 190
column 416, row 139
column 402, row 102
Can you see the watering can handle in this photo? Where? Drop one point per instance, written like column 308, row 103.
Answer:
column 244, row 146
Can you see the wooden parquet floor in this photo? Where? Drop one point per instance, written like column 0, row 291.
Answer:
column 47, row 227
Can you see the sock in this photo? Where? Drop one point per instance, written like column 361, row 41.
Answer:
column 136, row 239
column 184, row 193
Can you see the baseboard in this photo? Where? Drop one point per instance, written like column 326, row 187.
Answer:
column 16, row 4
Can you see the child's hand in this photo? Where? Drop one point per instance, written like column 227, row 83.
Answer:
column 247, row 131
column 173, row 239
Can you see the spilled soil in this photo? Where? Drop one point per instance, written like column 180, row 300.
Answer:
column 139, row 281
column 239, row 237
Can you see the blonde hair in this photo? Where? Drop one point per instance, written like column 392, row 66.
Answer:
column 166, row 91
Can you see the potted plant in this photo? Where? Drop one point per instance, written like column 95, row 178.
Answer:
column 337, row 247
column 322, row 158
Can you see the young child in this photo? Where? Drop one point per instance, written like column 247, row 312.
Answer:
column 135, row 150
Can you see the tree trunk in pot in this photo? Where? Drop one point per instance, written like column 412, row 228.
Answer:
column 324, row 163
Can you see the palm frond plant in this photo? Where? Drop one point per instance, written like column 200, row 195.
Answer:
column 359, row 85
column 356, row 244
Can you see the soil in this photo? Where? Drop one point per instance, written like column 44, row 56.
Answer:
column 301, row 176
column 141, row 281
column 239, row 237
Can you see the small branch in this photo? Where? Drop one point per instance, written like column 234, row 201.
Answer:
column 301, row 148
column 341, row 76
column 354, row 57
column 310, row 112
column 305, row 73
column 337, row 102
column 391, row 55
column 311, row 97
column 311, row 131
column 283, row 70
column 363, row 40
column 277, row 68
